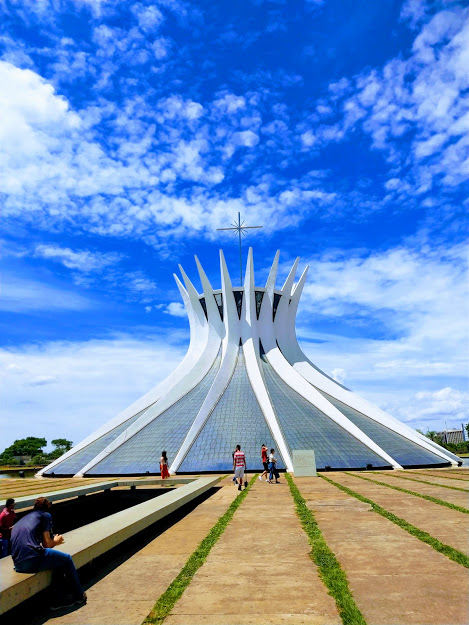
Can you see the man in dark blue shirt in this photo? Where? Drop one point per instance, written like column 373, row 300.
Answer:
column 32, row 543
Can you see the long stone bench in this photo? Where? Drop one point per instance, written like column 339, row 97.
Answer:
column 93, row 540
column 27, row 501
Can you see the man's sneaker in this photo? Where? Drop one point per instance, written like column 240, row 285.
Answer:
column 239, row 487
column 260, row 478
column 69, row 602
column 62, row 604
column 246, row 484
column 82, row 600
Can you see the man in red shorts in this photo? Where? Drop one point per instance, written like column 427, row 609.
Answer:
column 265, row 462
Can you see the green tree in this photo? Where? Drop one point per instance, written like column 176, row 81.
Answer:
column 29, row 446
column 62, row 443
column 7, row 459
column 433, row 436
column 39, row 459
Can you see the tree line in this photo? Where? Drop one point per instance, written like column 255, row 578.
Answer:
column 34, row 447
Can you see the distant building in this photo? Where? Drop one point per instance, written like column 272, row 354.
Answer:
column 452, row 436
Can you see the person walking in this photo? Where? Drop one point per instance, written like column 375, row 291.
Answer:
column 164, row 465
column 32, row 550
column 234, row 476
column 7, row 518
column 272, row 467
column 239, row 465
column 265, row 462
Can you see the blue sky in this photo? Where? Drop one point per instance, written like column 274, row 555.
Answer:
column 131, row 131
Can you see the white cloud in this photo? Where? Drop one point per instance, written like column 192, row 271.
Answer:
column 176, row 309
column 308, row 139
column 82, row 260
column 230, row 103
column 19, row 295
column 339, row 375
column 43, row 384
column 161, row 48
column 173, row 165
column 149, row 18
column 424, row 97
column 400, row 329
column 138, row 283
column 246, row 138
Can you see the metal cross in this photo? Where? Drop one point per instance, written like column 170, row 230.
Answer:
column 240, row 229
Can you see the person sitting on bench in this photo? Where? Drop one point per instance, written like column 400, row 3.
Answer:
column 32, row 550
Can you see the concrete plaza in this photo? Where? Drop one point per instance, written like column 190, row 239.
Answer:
column 260, row 570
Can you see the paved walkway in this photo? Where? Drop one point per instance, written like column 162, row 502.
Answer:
column 447, row 525
column 259, row 572
column 455, row 497
column 395, row 579
column 126, row 595
column 448, row 475
column 397, row 478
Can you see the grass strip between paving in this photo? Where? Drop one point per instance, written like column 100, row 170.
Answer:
column 443, row 477
column 440, row 502
column 450, row 552
column 173, row 593
column 411, row 479
column 329, row 567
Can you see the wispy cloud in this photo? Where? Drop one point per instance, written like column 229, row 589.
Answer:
column 416, row 109
column 82, row 260
column 20, row 296
column 392, row 326
column 176, row 309
column 43, row 384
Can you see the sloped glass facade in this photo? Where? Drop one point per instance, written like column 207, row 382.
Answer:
column 141, row 453
column 305, row 427
column 401, row 449
column 74, row 463
column 236, row 419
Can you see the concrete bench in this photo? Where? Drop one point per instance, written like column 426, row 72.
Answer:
column 77, row 491
column 93, row 540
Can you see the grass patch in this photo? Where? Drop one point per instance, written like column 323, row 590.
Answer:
column 440, row 502
column 173, row 593
column 443, row 477
column 412, row 479
column 449, row 552
column 330, row 570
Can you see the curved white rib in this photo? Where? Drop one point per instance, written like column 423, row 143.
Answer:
column 228, row 362
column 202, row 364
column 300, row 385
column 198, row 336
column 250, row 338
column 288, row 343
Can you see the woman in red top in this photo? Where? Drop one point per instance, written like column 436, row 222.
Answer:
column 7, row 518
column 265, row 462
column 164, row 465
